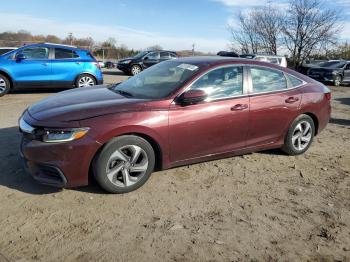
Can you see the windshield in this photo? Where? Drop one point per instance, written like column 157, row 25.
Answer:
column 158, row 81
column 141, row 54
column 334, row 64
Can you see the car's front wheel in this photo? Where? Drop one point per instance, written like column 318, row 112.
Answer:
column 4, row 85
column 124, row 164
column 135, row 69
column 85, row 80
column 337, row 80
column 299, row 136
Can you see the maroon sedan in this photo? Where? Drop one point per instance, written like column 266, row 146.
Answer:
column 175, row 113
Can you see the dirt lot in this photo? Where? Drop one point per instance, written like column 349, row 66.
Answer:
column 261, row 206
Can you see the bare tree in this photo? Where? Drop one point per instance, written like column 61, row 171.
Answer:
column 258, row 30
column 244, row 34
column 268, row 24
column 308, row 26
column 154, row 48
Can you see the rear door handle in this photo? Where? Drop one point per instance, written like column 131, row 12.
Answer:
column 239, row 107
column 291, row 100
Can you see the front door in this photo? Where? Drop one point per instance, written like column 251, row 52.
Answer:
column 151, row 59
column 217, row 125
column 34, row 70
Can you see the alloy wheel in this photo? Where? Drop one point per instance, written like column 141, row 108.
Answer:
column 86, row 81
column 2, row 85
column 135, row 70
column 337, row 81
column 127, row 165
column 302, row 135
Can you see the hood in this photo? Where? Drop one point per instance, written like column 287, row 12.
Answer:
column 124, row 59
column 322, row 69
column 82, row 103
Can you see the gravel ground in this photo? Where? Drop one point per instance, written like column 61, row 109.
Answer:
column 260, row 206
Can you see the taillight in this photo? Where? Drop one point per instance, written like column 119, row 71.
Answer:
column 328, row 95
column 97, row 65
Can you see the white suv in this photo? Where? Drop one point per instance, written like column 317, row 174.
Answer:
column 274, row 59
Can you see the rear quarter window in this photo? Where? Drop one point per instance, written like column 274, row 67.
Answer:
column 61, row 53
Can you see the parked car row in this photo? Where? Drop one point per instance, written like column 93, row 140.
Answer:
column 48, row 65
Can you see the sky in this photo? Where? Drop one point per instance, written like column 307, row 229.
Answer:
column 172, row 24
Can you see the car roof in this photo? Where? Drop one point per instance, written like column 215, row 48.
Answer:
column 52, row 45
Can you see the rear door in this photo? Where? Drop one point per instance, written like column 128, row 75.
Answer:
column 347, row 73
column 274, row 104
column 33, row 71
column 66, row 66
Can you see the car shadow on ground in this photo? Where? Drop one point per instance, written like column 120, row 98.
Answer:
column 337, row 121
column 114, row 72
column 37, row 90
column 13, row 174
column 344, row 100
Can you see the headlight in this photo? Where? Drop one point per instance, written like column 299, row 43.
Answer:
column 126, row 62
column 63, row 135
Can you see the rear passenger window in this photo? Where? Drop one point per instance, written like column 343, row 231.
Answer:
column 267, row 80
column 294, row 81
column 221, row 83
column 61, row 53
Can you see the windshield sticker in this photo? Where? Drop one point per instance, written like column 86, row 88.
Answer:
column 188, row 67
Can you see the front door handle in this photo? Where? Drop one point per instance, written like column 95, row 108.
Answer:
column 239, row 107
column 45, row 64
column 291, row 100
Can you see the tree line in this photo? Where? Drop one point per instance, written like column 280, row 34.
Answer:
column 303, row 28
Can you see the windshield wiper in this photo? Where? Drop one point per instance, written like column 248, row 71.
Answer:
column 123, row 93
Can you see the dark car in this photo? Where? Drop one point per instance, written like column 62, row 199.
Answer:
column 335, row 72
column 143, row 60
column 4, row 50
column 110, row 65
column 175, row 113
column 227, row 54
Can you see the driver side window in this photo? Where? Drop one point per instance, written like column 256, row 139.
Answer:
column 36, row 53
column 153, row 56
column 220, row 83
column 347, row 67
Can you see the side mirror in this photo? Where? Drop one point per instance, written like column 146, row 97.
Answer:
column 146, row 58
column 20, row 57
column 191, row 97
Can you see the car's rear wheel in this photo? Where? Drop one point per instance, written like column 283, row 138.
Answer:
column 124, row 164
column 135, row 69
column 4, row 85
column 85, row 80
column 299, row 136
column 337, row 80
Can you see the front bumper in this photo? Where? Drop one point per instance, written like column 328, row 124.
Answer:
column 58, row 164
column 322, row 77
column 123, row 67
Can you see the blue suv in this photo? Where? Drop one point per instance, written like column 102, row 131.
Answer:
column 48, row 65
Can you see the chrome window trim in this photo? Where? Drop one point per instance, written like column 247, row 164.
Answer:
column 244, row 79
column 250, row 81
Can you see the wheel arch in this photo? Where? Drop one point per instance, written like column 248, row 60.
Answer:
column 2, row 72
column 84, row 73
column 315, row 119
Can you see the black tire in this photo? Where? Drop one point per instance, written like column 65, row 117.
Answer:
column 290, row 148
column 82, row 76
column 101, row 163
column 5, row 85
column 135, row 69
column 337, row 80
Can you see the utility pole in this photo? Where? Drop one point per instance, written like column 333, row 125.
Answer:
column 193, row 45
